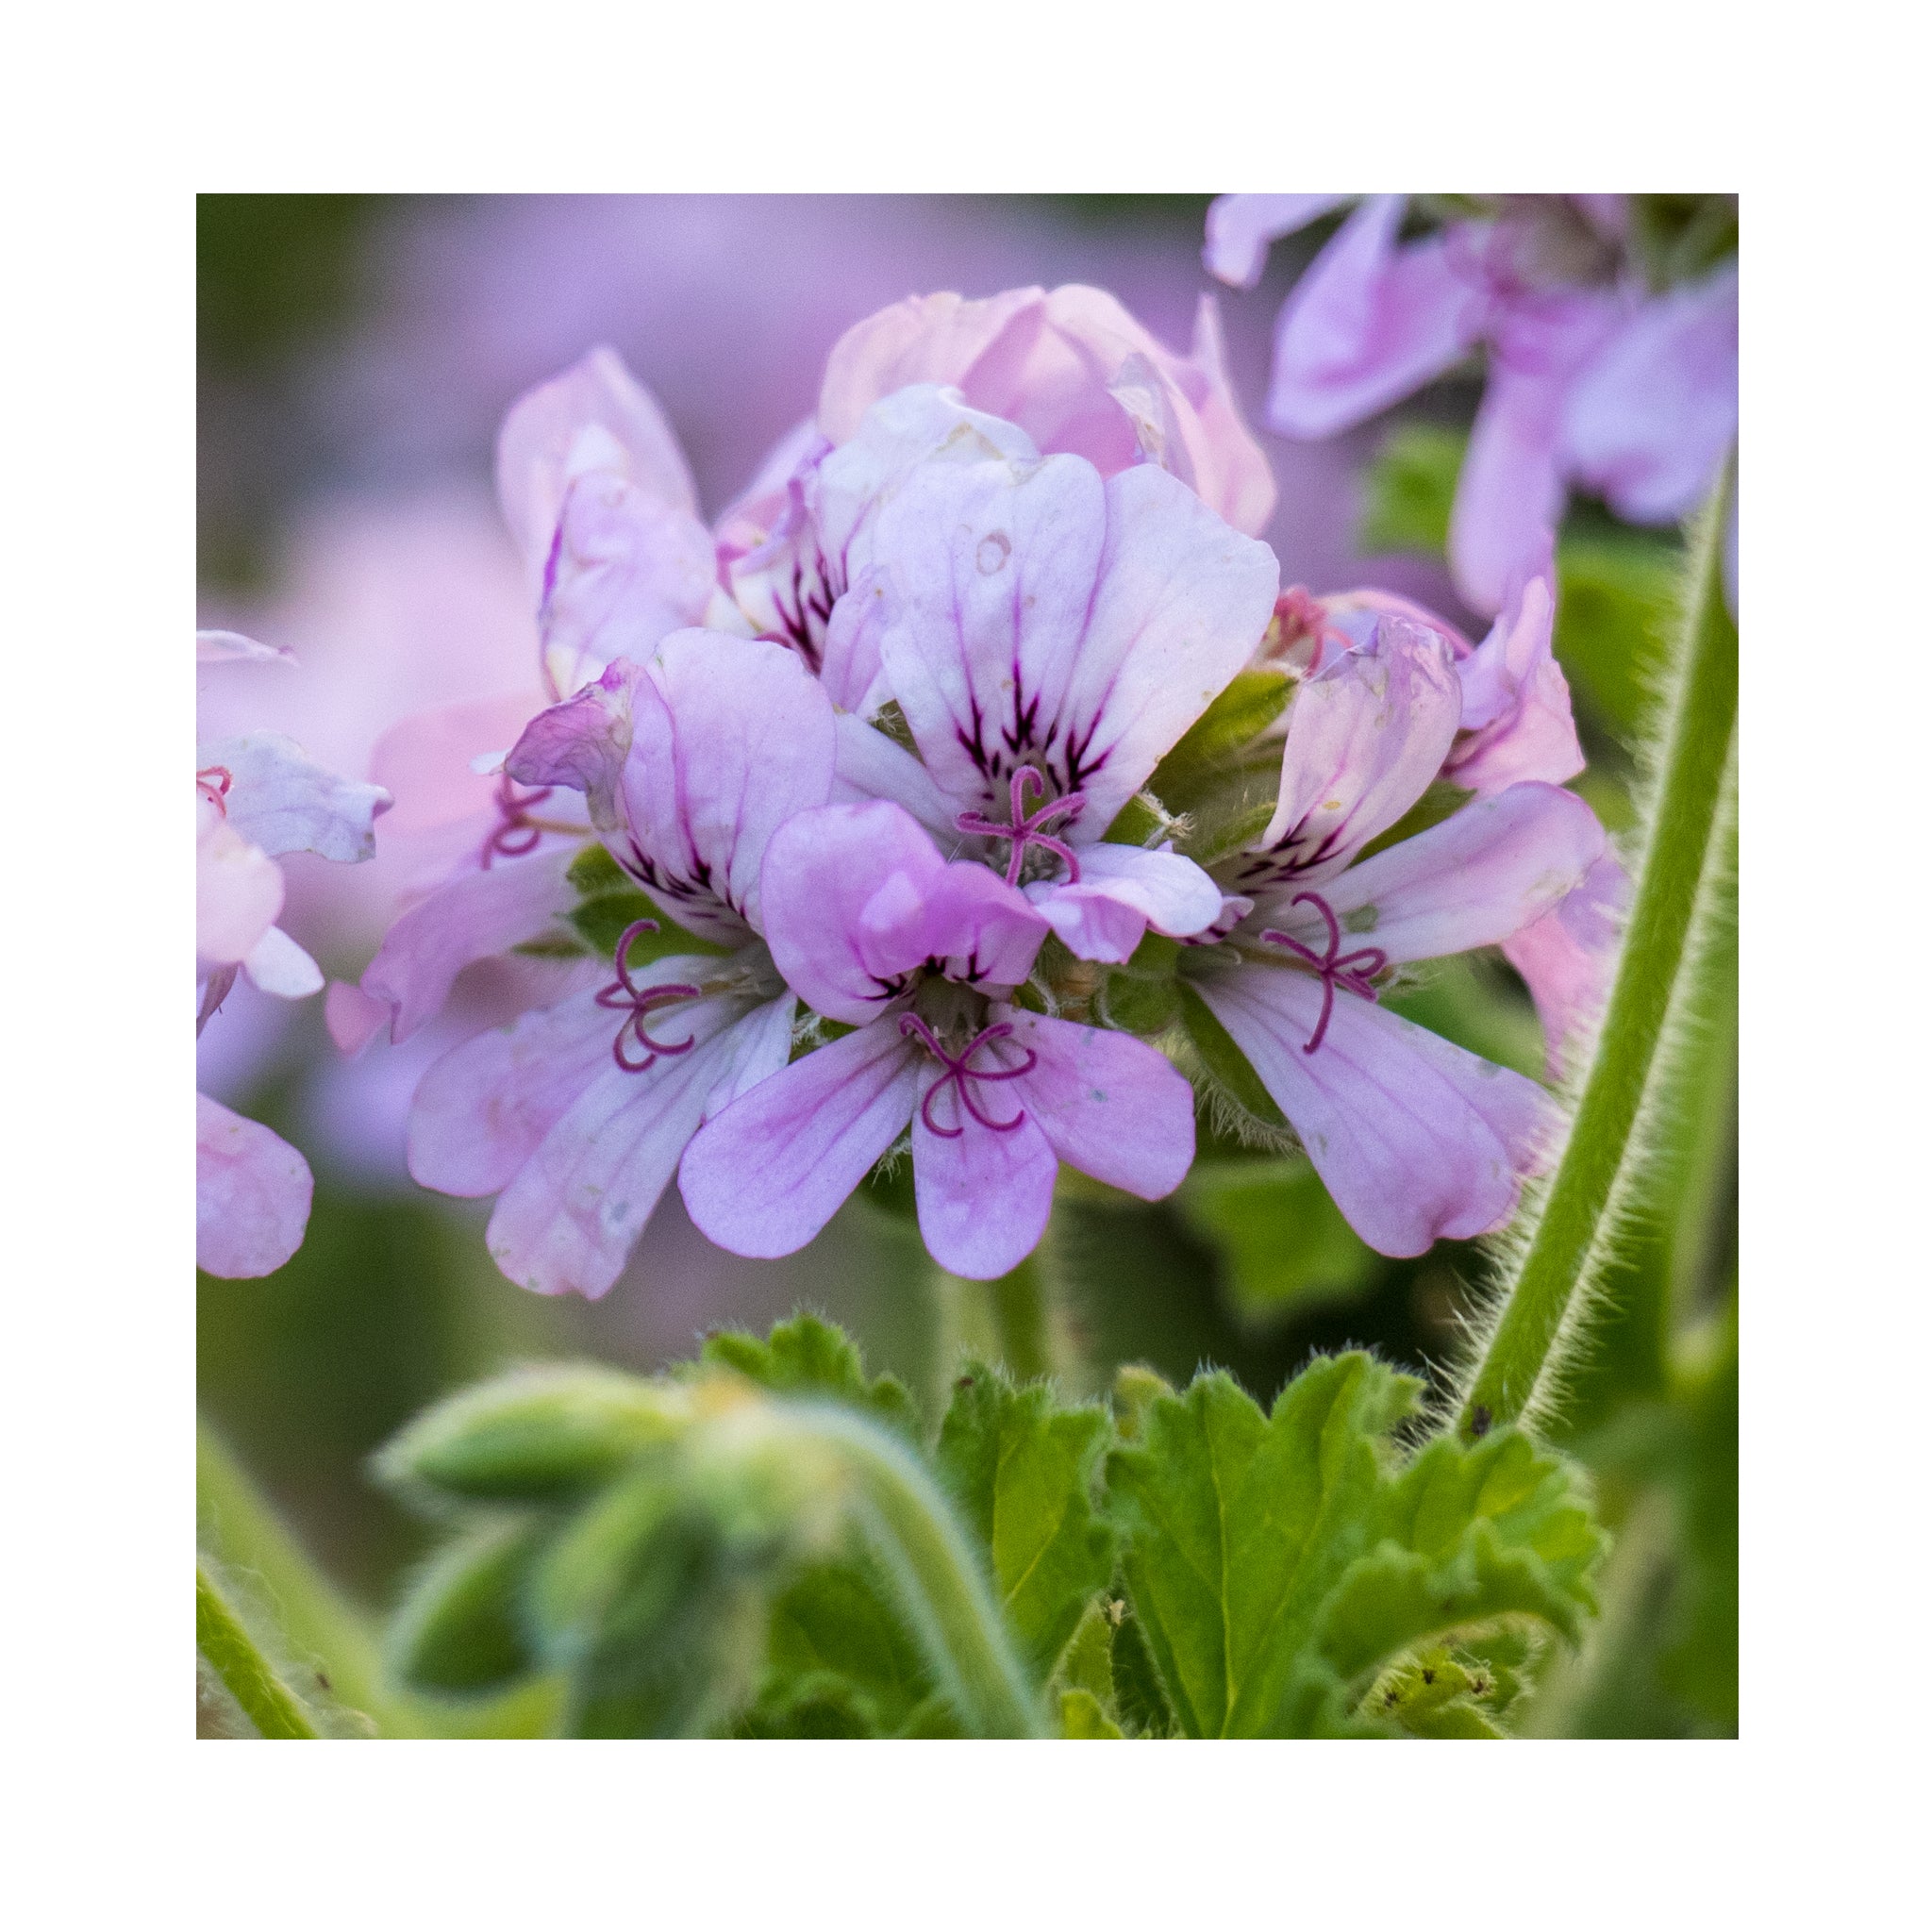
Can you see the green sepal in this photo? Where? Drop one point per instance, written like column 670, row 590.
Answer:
column 810, row 1356
column 1284, row 1245
column 1139, row 822
column 1141, row 996
column 1224, row 1062
column 459, row 1630
column 608, row 901
column 1022, row 1467
column 1408, row 491
column 1245, row 709
column 1082, row 1717
column 536, row 1435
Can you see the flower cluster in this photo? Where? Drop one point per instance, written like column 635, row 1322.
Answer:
column 1611, row 365
column 846, row 823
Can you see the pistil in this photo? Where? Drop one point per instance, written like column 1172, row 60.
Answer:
column 959, row 1074
column 1351, row 972
column 1021, row 831
column 624, row 991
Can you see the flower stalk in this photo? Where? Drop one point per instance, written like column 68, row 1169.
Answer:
column 1676, row 874
column 269, row 1705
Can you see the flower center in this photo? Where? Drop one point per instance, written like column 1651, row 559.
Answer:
column 1353, row 972
column 1021, row 831
column 624, row 991
column 962, row 1075
column 515, row 831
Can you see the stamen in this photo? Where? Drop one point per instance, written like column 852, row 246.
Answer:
column 624, row 991
column 1353, row 972
column 213, row 782
column 515, row 832
column 962, row 1075
column 1022, row 831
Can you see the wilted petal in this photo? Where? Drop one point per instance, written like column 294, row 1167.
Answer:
column 474, row 917
column 1365, row 739
column 281, row 800
column 765, row 1175
column 595, row 417
column 1416, row 1139
column 277, row 965
column 1045, row 618
column 1648, row 422
column 1241, row 227
column 1567, row 957
column 857, row 898
column 1510, row 495
column 1516, row 717
column 1480, row 877
column 1368, row 322
column 984, row 1197
column 229, row 646
column 566, row 1224
column 1122, row 892
column 1109, row 1105
column 252, row 1191
column 582, row 743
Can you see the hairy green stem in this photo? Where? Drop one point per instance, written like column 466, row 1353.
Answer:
column 269, row 1705
column 939, row 1579
column 1692, row 770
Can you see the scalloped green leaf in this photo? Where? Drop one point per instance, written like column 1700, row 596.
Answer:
column 806, row 1355
column 1023, row 1468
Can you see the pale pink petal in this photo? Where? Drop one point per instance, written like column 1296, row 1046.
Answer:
column 1365, row 739
column 1241, row 227
column 765, row 1175
column 1517, row 723
column 582, row 743
column 566, row 1224
column 1368, row 322
column 1510, row 495
column 857, row 899
column 1122, row 892
column 252, row 1191
column 1225, row 466
column 1648, row 422
column 1567, row 958
column 871, row 765
column 472, row 917
column 983, row 1196
column 427, row 762
column 281, row 800
column 354, row 1017
column 1109, row 1105
column 1476, row 879
column 277, row 965
column 751, row 516
column 230, row 646
column 238, row 888
column 1045, row 617
column 1416, row 1139
column 760, row 1048
column 594, row 417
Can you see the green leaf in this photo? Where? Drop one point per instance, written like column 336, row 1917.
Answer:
column 810, row 1356
column 1410, row 489
column 459, row 1629
column 1278, row 1564
column 1023, row 1471
column 1082, row 1717
column 536, row 1435
column 1284, row 1245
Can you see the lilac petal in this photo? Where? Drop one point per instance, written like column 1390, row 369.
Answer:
column 354, row 1017
column 1043, row 617
column 857, row 898
column 1510, row 495
column 1122, row 892
column 252, row 1192
column 871, row 765
column 765, row 1175
column 427, row 762
column 1567, row 958
column 1648, row 422
column 566, row 1224
column 1416, row 1139
column 1516, row 717
column 595, row 416
column 1365, row 739
column 281, row 800
column 472, row 917
column 761, row 1047
column 1368, row 322
column 1109, row 1105
column 230, row 646
column 1241, row 227
column 277, row 965
column 1476, row 879
column 983, row 1198
column 581, row 745
column 237, row 890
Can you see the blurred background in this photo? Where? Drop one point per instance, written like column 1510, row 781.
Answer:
column 355, row 354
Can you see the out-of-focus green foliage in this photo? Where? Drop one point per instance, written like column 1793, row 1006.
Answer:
column 1410, row 487
column 1283, row 1242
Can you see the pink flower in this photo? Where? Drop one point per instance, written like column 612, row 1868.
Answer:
column 1076, row 372
column 1415, row 1138
column 576, row 1116
column 257, row 798
column 875, row 930
column 1590, row 380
